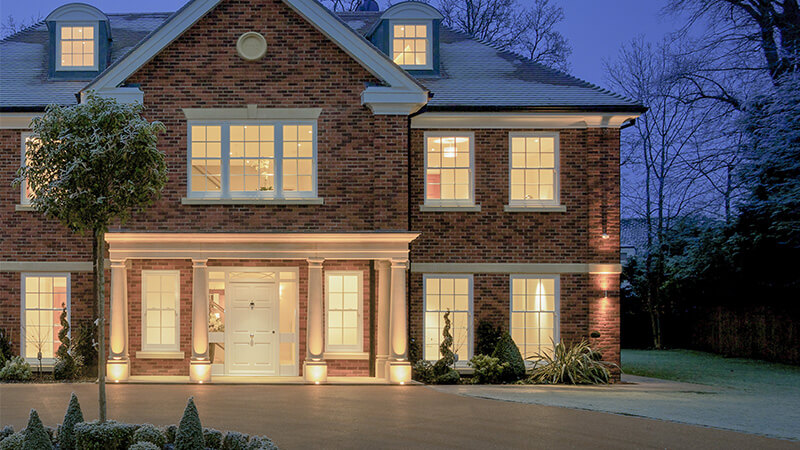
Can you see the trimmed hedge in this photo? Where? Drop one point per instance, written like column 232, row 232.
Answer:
column 109, row 435
column 507, row 352
column 149, row 433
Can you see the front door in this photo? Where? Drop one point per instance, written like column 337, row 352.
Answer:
column 252, row 329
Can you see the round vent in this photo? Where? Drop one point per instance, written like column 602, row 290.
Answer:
column 251, row 46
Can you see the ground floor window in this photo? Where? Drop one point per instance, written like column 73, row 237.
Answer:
column 43, row 298
column 443, row 293
column 160, row 308
column 344, row 301
column 534, row 313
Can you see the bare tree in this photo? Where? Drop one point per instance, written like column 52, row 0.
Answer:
column 342, row 5
column 509, row 24
column 10, row 25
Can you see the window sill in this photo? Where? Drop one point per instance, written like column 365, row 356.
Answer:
column 253, row 201
column 346, row 355
column 518, row 208
column 160, row 355
column 449, row 208
column 24, row 208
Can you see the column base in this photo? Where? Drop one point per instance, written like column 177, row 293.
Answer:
column 200, row 371
column 399, row 372
column 118, row 370
column 380, row 366
column 315, row 371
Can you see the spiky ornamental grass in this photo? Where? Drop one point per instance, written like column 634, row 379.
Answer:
column 66, row 433
column 36, row 437
column 573, row 364
column 190, row 430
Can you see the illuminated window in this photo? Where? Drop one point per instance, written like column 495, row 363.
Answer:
column 26, row 194
column 448, row 169
column 534, row 169
column 344, row 301
column 77, row 47
column 445, row 293
column 534, row 314
column 43, row 298
column 160, row 310
column 411, row 45
column 259, row 160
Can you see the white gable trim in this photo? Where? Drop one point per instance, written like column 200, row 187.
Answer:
column 403, row 88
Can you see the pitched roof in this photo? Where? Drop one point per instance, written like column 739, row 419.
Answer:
column 474, row 75
column 23, row 69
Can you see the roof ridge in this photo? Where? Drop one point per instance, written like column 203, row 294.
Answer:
column 160, row 13
column 22, row 30
column 497, row 47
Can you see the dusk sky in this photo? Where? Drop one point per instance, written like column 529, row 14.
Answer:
column 594, row 28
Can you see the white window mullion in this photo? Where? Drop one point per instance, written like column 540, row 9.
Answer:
column 279, row 159
column 225, row 134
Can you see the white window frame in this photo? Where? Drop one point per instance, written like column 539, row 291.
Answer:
column 556, row 165
column 470, row 308
column 96, row 39
column 225, row 143
column 428, row 46
column 360, row 333
column 23, row 198
column 556, row 304
column 23, row 338
column 161, row 347
column 433, row 203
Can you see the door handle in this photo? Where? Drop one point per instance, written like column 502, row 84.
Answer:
column 252, row 304
column 252, row 342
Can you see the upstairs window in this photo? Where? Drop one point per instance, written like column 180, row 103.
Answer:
column 77, row 47
column 534, row 169
column 253, row 160
column 449, row 169
column 411, row 45
column 26, row 194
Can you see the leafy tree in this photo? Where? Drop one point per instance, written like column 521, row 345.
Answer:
column 92, row 164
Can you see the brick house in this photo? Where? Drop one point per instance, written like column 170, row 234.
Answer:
column 337, row 182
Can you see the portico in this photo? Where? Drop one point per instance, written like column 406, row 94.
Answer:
column 261, row 262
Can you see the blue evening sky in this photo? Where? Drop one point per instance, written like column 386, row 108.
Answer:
column 595, row 28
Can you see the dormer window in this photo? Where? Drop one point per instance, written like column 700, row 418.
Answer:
column 411, row 45
column 77, row 47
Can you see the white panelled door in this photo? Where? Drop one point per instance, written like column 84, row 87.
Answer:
column 252, row 329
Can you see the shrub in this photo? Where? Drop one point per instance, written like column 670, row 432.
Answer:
column 5, row 347
column 190, row 430
column 507, row 352
column 573, row 364
column 108, row 435
column 144, row 445
column 488, row 369
column 64, row 368
column 261, row 443
column 449, row 377
column 443, row 371
column 234, row 441
column 16, row 369
column 13, row 442
column 212, row 438
column 422, row 371
column 7, row 431
column 169, row 433
column 36, row 438
column 83, row 347
column 66, row 432
column 149, row 433
column 486, row 337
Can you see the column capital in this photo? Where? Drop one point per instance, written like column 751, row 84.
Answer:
column 199, row 262
column 118, row 263
column 400, row 263
column 315, row 263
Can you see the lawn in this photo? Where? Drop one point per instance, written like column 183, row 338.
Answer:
column 706, row 368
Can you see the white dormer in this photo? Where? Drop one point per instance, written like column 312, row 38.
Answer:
column 413, row 35
column 79, row 37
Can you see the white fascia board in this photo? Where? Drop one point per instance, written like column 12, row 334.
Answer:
column 12, row 120
column 412, row 10
column 384, row 100
column 120, row 94
column 445, row 120
column 152, row 45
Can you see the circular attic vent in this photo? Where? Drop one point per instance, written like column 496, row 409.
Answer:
column 251, row 46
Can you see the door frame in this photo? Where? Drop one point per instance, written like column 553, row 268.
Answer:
column 282, row 370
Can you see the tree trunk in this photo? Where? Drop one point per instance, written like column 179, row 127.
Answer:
column 99, row 276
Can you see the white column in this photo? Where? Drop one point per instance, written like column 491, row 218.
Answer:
column 200, row 365
column 384, row 294
column 315, row 369
column 118, row 366
column 399, row 367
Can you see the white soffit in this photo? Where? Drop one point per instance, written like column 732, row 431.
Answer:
column 9, row 121
column 355, row 45
column 432, row 120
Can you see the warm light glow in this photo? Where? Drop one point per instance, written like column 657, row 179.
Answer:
column 117, row 370
column 604, row 236
column 399, row 372
column 533, row 169
column 316, row 382
column 448, row 168
column 316, row 372
column 77, row 46
column 443, row 293
column 200, row 371
column 410, row 45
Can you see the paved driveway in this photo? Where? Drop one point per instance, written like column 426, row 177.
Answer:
column 371, row 417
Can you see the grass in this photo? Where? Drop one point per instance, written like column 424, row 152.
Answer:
column 706, row 368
